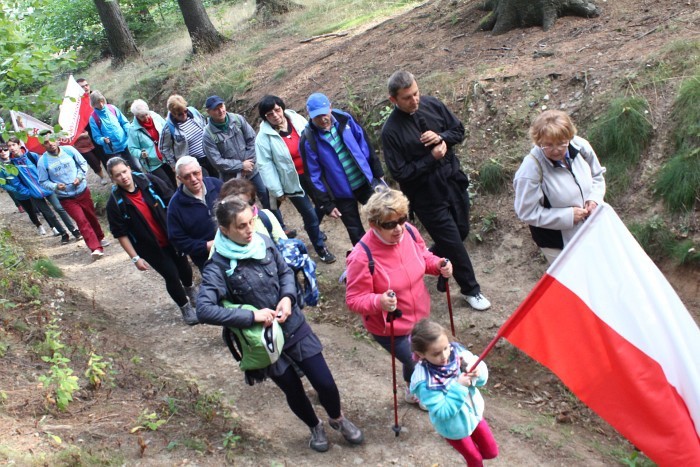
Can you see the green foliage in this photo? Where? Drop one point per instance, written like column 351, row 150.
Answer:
column 492, row 176
column 52, row 343
column 230, row 440
column 488, row 224
column 634, row 459
column 98, row 370
column 384, row 113
column 619, row 137
column 60, row 380
column 659, row 241
column 46, row 267
column 207, row 405
column 148, row 421
column 4, row 346
column 100, row 199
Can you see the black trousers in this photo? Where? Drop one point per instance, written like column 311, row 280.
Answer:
column 351, row 214
column 174, row 268
column 448, row 226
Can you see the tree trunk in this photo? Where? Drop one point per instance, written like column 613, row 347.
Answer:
column 205, row 38
column 511, row 14
column 121, row 41
column 265, row 10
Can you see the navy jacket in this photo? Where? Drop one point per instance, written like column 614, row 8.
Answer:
column 191, row 223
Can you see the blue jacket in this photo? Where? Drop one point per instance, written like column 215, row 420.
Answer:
column 191, row 223
column 114, row 127
column 323, row 167
column 64, row 168
column 29, row 175
column 12, row 183
column 140, row 140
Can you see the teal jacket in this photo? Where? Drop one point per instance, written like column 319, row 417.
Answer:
column 457, row 411
column 274, row 161
column 140, row 140
column 64, row 167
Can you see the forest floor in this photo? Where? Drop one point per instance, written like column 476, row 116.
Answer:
column 186, row 376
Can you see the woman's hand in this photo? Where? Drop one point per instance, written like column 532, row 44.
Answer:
column 590, row 206
column 388, row 301
column 446, row 268
column 265, row 316
column 579, row 215
column 283, row 310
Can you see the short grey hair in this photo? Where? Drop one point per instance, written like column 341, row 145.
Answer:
column 113, row 162
column 183, row 161
column 399, row 80
column 96, row 97
column 139, row 108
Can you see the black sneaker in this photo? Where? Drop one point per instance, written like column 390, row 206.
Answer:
column 290, row 233
column 325, row 255
column 77, row 235
column 65, row 239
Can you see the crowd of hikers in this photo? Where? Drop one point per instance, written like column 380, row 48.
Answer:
column 206, row 190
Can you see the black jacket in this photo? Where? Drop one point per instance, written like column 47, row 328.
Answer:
column 126, row 220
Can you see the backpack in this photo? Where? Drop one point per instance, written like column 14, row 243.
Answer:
column 98, row 120
column 297, row 258
column 364, row 246
column 255, row 347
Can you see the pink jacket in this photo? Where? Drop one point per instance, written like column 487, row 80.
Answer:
column 399, row 267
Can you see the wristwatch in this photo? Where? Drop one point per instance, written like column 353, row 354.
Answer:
column 135, row 259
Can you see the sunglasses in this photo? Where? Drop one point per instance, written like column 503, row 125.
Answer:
column 392, row 224
column 4, row 149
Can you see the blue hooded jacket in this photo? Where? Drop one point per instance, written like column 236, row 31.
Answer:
column 29, row 175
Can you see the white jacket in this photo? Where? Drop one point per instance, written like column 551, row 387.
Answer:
column 538, row 177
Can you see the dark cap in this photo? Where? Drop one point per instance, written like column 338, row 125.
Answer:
column 213, row 102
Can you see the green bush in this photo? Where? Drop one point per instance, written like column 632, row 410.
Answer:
column 619, row 137
column 46, row 267
column 658, row 241
column 492, row 177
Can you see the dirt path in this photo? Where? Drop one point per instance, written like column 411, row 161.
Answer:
column 138, row 306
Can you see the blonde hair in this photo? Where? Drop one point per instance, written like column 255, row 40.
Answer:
column 552, row 125
column 176, row 102
column 424, row 333
column 384, row 203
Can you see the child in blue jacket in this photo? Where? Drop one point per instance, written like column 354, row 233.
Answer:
column 441, row 382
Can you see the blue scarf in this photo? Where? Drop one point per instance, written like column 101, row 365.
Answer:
column 234, row 252
column 440, row 375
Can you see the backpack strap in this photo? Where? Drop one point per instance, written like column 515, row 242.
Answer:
column 370, row 264
column 98, row 120
column 266, row 222
column 411, row 232
column 539, row 167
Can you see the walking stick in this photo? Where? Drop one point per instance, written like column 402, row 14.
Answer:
column 449, row 300
column 390, row 317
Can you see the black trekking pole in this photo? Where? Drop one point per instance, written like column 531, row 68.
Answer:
column 390, row 317
column 449, row 300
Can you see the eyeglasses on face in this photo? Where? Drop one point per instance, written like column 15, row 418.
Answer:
column 392, row 224
column 276, row 110
column 549, row 147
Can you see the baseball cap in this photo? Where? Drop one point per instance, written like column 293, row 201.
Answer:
column 318, row 104
column 212, row 102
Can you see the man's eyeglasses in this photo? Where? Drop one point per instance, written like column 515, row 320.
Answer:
column 276, row 110
column 391, row 225
column 555, row 146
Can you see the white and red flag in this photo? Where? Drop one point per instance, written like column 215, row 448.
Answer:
column 33, row 126
column 605, row 320
column 75, row 110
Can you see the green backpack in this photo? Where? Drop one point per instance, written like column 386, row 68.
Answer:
column 256, row 347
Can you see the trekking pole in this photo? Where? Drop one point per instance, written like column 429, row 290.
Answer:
column 390, row 317
column 449, row 299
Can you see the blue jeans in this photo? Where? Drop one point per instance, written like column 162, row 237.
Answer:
column 264, row 197
column 311, row 223
column 56, row 204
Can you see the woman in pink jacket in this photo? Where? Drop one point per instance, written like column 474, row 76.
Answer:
column 385, row 272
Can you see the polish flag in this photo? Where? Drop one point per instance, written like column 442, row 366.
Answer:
column 605, row 320
column 75, row 110
column 32, row 126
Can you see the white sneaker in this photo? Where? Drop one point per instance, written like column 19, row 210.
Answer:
column 412, row 399
column 55, row 231
column 478, row 302
column 41, row 230
column 97, row 254
column 104, row 243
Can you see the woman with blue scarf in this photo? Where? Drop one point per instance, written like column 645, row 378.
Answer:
column 247, row 270
column 442, row 382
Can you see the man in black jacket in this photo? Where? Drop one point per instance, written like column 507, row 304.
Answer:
column 136, row 212
column 418, row 140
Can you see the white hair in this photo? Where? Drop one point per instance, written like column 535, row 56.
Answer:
column 139, row 108
column 183, row 161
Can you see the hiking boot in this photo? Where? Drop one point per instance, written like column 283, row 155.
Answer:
column 191, row 292
column 325, row 255
column 350, row 432
column 319, row 440
column 104, row 243
column 97, row 254
column 478, row 301
column 65, row 239
column 78, row 236
column 41, row 230
column 189, row 315
column 290, row 233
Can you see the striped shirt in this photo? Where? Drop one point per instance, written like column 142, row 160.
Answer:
column 355, row 176
column 193, row 135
